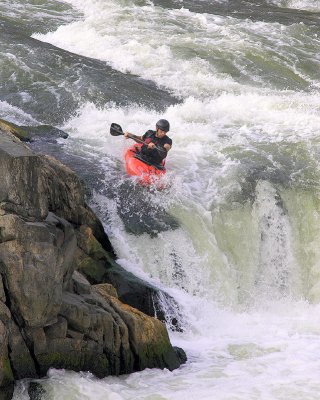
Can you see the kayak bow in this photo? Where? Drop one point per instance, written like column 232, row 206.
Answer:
column 148, row 174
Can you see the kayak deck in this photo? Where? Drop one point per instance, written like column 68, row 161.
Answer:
column 147, row 174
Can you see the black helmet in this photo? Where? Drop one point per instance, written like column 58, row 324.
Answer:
column 163, row 124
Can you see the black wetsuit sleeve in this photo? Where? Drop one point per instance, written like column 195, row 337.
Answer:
column 169, row 141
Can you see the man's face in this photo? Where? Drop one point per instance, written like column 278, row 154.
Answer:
column 160, row 133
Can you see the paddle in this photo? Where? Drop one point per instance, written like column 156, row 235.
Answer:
column 116, row 130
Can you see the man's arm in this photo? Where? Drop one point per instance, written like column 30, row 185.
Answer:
column 152, row 146
column 167, row 146
column 136, row 138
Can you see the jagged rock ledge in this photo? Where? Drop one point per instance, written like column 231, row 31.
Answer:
column 58, row 307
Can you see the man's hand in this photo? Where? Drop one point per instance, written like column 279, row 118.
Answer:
column 159, row 148
column 126, row 135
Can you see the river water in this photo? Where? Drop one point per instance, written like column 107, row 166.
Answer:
column 234, row 237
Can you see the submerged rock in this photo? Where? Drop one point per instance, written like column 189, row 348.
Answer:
column 51, row 316
column 140, row 213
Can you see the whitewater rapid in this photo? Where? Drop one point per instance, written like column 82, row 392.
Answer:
column 243, row 264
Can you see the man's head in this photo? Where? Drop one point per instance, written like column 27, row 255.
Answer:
column 162, row 127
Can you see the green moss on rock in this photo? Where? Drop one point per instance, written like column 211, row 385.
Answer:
column 81, row 360
column 15, row 130
column 7, row 375
column 92, row 269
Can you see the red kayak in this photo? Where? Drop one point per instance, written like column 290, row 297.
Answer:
column 148, row 174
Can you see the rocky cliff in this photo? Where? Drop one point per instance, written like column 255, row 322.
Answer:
column 57, row 305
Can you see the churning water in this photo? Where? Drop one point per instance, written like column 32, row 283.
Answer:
column 235, row 236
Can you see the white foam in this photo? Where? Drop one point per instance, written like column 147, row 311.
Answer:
column 308, row 5
column 15, row 114
column 205, row 176
column 264, row 355
column 203, row 130
column 181, row 50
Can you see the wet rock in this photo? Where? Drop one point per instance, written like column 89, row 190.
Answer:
column 57, row 330
column 181, row 354
column 139, row 212
column 21, row 359
column 36, row 391
column 36, row 263
column 6, row 393
column 50, row 314
column 106, row 288
column 97, row 265
column 6, row 375
column 15, row 130
column 45, row 132
column 148, row 337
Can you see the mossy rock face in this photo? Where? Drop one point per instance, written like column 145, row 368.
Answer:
column 130, row 289
column 15, row 130
column 92, row 269
column 92, row 247
column 6, row 373
column 81, row 360
column 23, row 367
column 148, row 337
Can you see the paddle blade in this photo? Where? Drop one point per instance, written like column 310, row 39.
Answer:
column 115, row 129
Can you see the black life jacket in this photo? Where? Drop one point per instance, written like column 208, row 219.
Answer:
column 153, row 155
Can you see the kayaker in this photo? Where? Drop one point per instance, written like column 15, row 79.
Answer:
column 157, row 142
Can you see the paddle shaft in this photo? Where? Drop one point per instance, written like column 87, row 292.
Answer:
column 115, row 131
column 143, row 142
column 137, row 139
